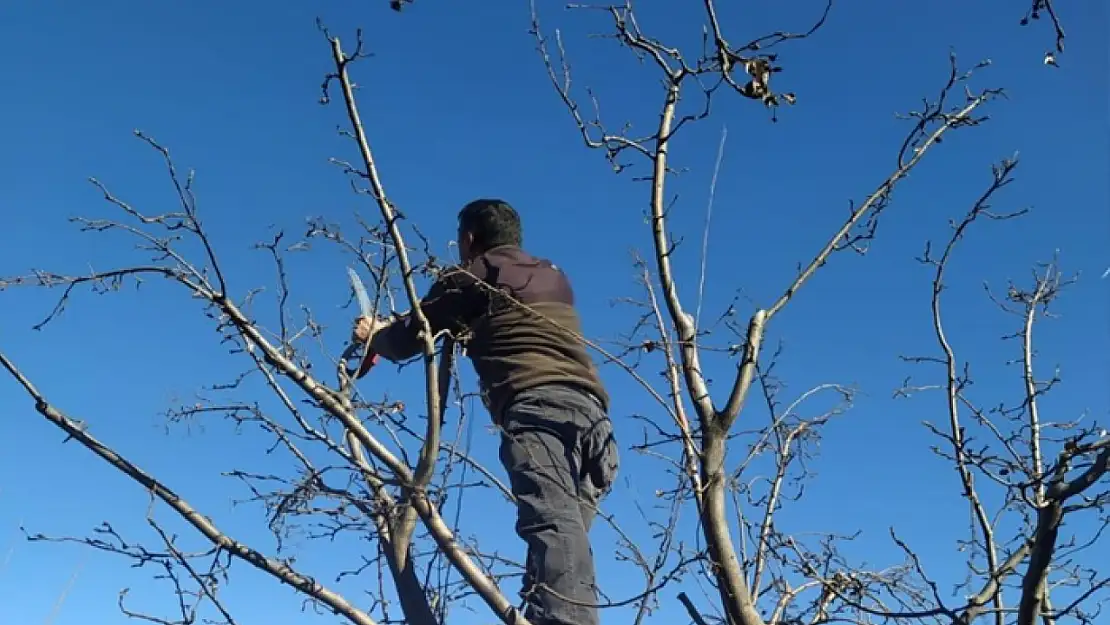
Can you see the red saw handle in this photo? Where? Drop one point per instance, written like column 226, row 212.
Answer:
column 367, row 363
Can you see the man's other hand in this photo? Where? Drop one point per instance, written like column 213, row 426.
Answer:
column 366, row 327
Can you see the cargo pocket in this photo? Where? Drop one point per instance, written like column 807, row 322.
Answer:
column 602, row 459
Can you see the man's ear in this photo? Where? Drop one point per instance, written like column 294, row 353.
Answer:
column 466, row 246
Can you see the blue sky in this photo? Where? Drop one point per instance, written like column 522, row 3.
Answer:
column 458, row 105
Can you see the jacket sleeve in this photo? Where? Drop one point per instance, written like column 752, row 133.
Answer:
column 445, row 306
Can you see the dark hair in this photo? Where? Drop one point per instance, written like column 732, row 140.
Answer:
column 492, row 222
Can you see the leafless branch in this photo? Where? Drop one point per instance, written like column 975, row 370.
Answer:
column 202, row 524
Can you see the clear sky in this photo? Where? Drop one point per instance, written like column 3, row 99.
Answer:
column 458, row 105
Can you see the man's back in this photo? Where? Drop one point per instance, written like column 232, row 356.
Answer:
column 525, row 329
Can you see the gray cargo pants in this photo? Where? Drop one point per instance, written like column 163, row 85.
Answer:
column 557, row 446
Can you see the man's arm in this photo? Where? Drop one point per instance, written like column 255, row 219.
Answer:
column 446, row 306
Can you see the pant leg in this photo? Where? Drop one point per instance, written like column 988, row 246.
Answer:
column 541, row 452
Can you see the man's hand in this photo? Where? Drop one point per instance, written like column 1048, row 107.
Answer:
column 363, row 332
column 366, row 327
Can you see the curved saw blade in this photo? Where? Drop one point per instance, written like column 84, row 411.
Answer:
column 367, row 310
column 360, row 294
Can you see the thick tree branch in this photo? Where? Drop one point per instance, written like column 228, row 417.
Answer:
column 202, row 524
column 917, row 143
column 416, row 483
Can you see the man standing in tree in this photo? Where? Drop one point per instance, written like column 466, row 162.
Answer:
column 516, row 314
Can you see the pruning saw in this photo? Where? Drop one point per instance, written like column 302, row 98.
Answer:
column 368, row 359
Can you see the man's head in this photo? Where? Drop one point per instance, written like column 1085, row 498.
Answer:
column 485, row 224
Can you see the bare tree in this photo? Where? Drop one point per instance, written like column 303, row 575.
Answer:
column 1037, row 470
column 379, row 468
column 837, row 592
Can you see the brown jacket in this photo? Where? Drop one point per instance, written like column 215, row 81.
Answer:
column 518, row 311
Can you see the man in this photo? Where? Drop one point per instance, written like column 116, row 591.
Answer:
column 516, row 314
